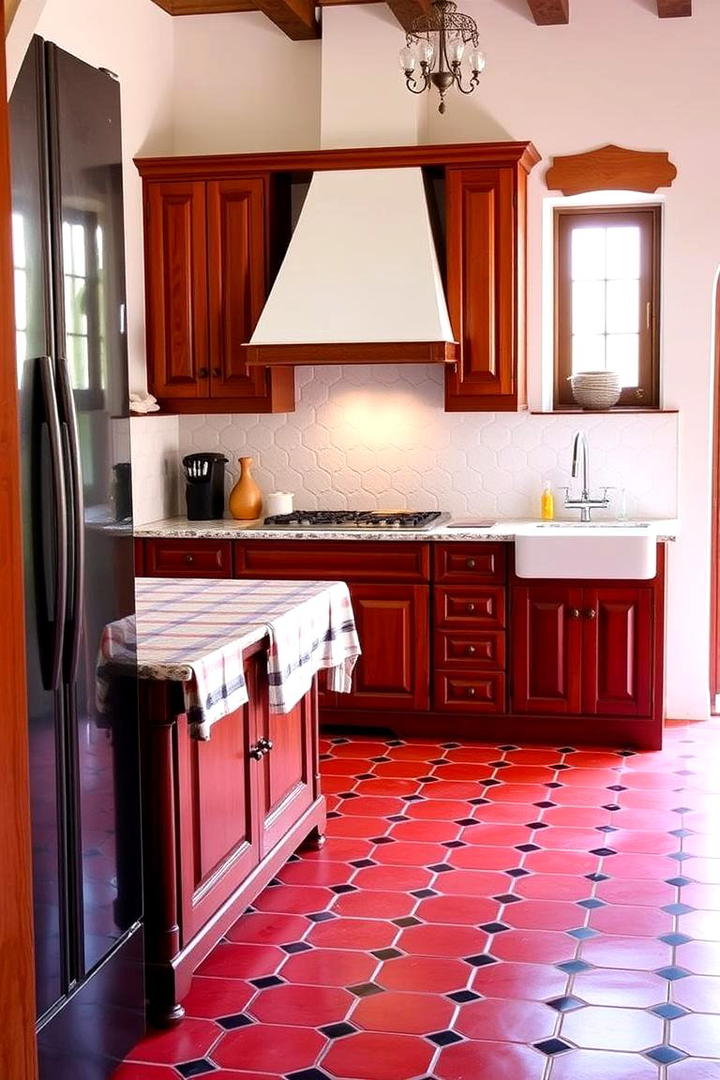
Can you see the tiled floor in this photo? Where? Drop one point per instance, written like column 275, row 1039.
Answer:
column 478, row 913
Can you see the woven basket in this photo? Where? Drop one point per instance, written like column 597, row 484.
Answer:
column 596, row 389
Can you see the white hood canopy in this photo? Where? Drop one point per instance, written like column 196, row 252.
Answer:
column 360, row 281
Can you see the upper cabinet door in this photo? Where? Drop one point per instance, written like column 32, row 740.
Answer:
column 176, row 290
column 485, row 288
column 237, row 288
column 618, row 661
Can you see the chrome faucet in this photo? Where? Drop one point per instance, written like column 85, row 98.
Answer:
column 584, row 502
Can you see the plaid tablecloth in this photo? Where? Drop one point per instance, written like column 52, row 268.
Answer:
column 195, row 632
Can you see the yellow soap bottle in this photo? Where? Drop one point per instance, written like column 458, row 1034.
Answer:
column 547, row 503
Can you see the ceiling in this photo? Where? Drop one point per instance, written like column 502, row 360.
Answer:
column 297, row 17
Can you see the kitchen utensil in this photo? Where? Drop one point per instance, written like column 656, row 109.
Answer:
column 205, row 486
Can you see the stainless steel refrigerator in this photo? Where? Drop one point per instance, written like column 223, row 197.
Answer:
column 69, row 283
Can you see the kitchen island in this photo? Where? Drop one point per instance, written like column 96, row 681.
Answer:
column 229, row 751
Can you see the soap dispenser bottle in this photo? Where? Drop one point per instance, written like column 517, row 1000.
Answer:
column 547, row 503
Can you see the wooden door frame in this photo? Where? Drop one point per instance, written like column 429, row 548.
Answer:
column 715, row 512
column 17, row 968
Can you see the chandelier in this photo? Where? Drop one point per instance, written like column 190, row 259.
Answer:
column 437, row 42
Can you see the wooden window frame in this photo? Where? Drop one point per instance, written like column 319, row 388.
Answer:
column 649, row 219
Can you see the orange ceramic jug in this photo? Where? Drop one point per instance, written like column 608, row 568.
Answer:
column 245, row 502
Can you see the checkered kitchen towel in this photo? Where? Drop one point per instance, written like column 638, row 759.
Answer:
column 195, row 632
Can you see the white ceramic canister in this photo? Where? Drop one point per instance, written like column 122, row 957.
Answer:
column 278, row 502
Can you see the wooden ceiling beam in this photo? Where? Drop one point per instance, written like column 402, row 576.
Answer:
column 550, row 12
column 674, row 9
column 407, row 11
column 296, row 18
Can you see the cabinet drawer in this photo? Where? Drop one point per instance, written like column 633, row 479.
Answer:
column 188, row 558
column 466, row 607
column 456, row 692
column 354, row 560
column 467, row 649
column 469, row 562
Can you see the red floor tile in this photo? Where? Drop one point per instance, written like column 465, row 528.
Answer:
column 299, row 899
column 640, row 921
column 498, row 1019
column 409, row 854
column 230, row 961
column 360, row 827
column 268, row 928
column 562, row 862
column 524, row 982
column 499, row 1061
column 701, row 924
column 639, row 954
column 378, row 1056
column 644, row 893
column 438, row 810
column 478, row 858
column 403, row 1013
column 393, row 878
column 544, row 915
column 596, row 1065
column 633, row 989
column 534, row 946
column 440, row 940
column 436, row 832
column 189, row 1040
column 553, row 887
column 425, row 974
column 599, row 1028
column 387, row 786
column 488, row 834
column 134, row 1071
column 458, row 910
column 470, row 771
column 363, row 934
column 374, row 904
column 700, row 957
column 467, row 882
column 306, row 1006
column 289, row 1049
column 329, row 967
column 210, row 998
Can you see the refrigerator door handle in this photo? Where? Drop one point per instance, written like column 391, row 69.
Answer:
column 52, row 675
column 75, row 600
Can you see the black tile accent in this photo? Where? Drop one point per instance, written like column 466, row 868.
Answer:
column 394, row 742
column 567, row 1003
column 267, row 980
column 343, row 888
column 498, row 764
column 381, row 840
column 679, row 882
column 367, row 989
column 582, row 933
column 665, row 1055
column 440, row 867
column 590, row 903
column 452, row 745
column 237, row 1021
column 672, row 973
column 348, row 795
column 198, row 1067
column 274, row 883
column 398, row 817
column 463, row 996
column 480, row 960
column 360, row 863
column 574, row 967
column 412, row 798
column 438, row 761
column 454, row 843
column 606, row 828
column 493, row 927
column 559, row 765
column 508, row 898
column 553, row 784
column 552, row 1046
column 536, row 825
column 681, row 809
column 611, row 806
column 406, row 920
column 517, row 871
column 422, row 894
column 489, row 783
column 444, row 1038
column 616, row 787
column 597, row 876
column 322, row 916
column 603, row 851
column 336, row 1031
column 366, row 776
column 566, row 750
column 479, row 802
column 676, row 939
column 387, row 954
column 527, row 847
column 466, row 821
column 667, row 1011
column 682, row 833
column 507, row 747
column 382, row 757
column 627, row 753
column 544, row 804
column 680, row 856
column 296, row 947
column 428, row 779
column 339, row 740
column 325, row 757
column 677, row 909
column 333, row 814
column 308, row 1074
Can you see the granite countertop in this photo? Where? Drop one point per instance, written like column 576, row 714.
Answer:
column 181, row 528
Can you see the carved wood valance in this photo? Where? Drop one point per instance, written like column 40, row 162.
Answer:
column 611, row 168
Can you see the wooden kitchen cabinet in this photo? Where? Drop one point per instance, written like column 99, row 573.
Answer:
column 583, row 650
column 206, row 271
column 220, row 818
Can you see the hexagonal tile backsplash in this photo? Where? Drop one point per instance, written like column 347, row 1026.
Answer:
column 370, row 437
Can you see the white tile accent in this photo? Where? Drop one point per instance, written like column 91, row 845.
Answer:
column 371, row 437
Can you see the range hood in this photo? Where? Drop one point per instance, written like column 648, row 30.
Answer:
column 360, row 282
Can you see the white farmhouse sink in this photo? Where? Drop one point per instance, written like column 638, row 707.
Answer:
column 604, row 550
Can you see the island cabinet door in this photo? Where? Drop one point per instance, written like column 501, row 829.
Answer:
column 283, row 763
column 618, row 650
column 546, row 648
column 393, row 671
column 219, row 837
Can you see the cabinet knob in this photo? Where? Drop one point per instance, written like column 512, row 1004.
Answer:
column 265, row 745
column 188, row 557
column 216, row 373
column 470, row 563
column 589, row 613
column 574, row 613
column 471, row 650
column 471, row 691
column 470, row 608
column 255, row 752
column 203, row 372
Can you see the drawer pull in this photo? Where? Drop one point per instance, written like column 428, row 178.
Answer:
column 470, row 608
column 574, row 613
column 589, row 613
column 188, row 558
column 471, row 691
column 471, row 650
column 470, row 563
column 203, row 373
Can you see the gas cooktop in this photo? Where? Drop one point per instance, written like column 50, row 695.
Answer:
column 338, row 520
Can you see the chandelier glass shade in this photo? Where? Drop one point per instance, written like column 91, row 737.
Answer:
column 438, row 47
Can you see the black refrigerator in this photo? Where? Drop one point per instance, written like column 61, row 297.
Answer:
column 68, row 257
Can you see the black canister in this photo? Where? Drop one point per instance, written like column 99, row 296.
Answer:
column 205, row 486
column 122, row 491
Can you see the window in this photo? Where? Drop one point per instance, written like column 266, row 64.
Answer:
column 606, row 299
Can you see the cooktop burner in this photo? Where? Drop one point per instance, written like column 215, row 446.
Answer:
column 331, row 520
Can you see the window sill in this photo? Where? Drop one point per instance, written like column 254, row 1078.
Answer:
column 619, row 410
